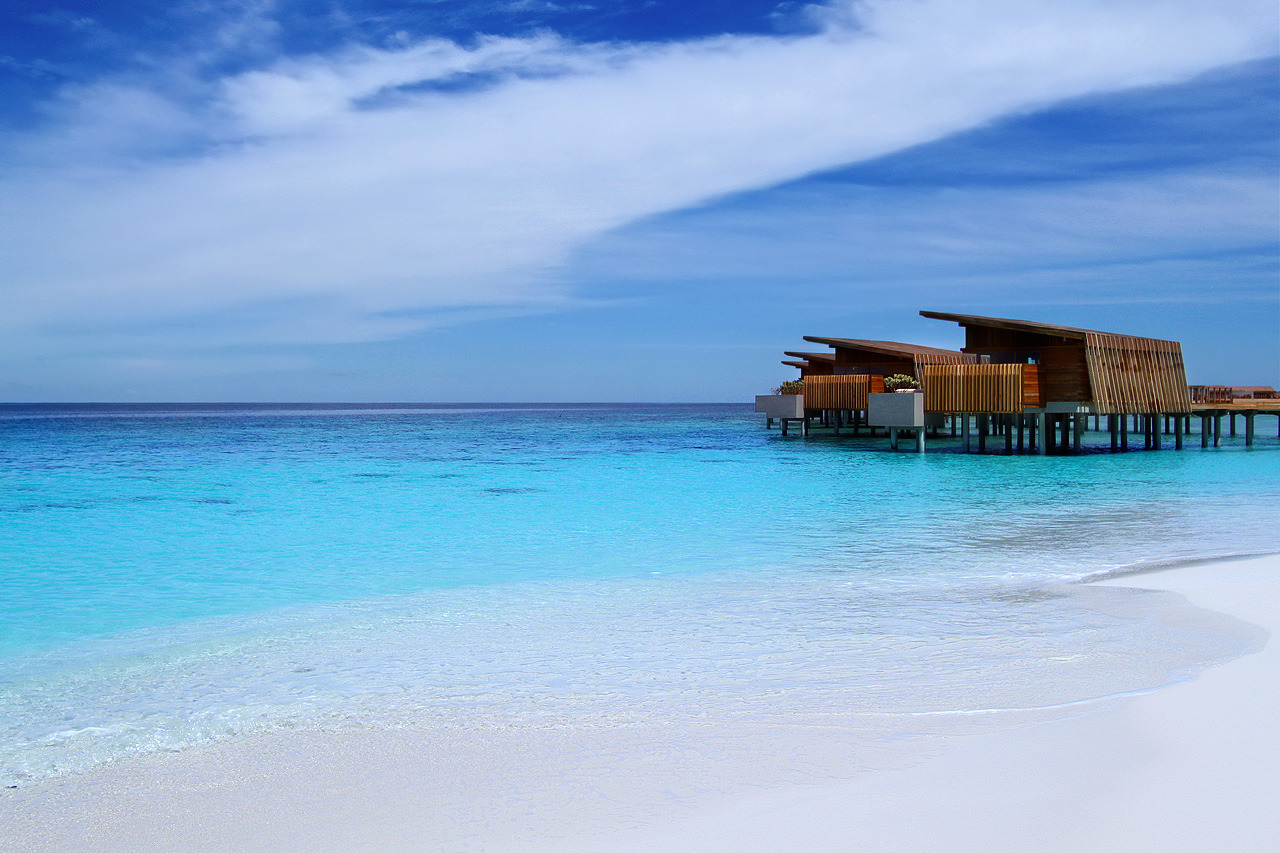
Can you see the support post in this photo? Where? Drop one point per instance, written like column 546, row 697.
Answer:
column 1205, row 431
column 768, row 423
column 1124, row 432
column 1217, row 429
column 1042, row 426
column 982, row 433
column 1008, row 433
column 1248, row 429
column 1113, row 427
column 1177, row 432
column 920, row 440
column 964, row 431
column 1078, row 423
column 1232, row 418
column 893, row 438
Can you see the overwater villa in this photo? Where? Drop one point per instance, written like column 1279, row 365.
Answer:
column 1034, row 385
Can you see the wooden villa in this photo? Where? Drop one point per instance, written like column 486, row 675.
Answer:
column 1034, row 384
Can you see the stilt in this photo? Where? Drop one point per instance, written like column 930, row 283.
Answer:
column 1042, row 427
column 1248, row 429
column 964, row 431
column 1232, row 418
column 1205, row 430
column 768, row 423
column 982, row 433
column 1022, row 428
column 1156, row 433
column 1124, row 432
column 1114, row 429
column 1217, row 429
column 953, row 425
column 893, row 438
column 1008, row 433
column 1077, row 431
column 1177, row 432
column 920, row 440
column 835, row 422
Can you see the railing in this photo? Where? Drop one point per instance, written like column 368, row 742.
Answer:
column 1210, row 393
column 840, row 392
column 981, row 388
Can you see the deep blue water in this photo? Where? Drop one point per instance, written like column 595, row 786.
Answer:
column 175, row 574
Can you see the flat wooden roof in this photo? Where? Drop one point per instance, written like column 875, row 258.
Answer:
column 1026, row 326
column 897, row 349
column 812, row 356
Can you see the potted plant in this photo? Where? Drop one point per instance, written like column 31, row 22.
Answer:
column 792, row 386
column 900, row 382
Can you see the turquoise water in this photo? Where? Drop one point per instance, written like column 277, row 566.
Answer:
column 172, row 575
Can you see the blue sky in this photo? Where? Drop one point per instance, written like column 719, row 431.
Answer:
column 453, row 201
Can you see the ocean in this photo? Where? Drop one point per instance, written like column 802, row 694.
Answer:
column 179, row 575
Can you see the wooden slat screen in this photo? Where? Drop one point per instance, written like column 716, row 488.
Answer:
column 840, row 392
column 1130, row 375
column 981, row 388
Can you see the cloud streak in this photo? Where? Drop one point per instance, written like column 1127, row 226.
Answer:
column 347, row 196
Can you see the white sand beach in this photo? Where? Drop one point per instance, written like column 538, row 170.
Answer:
column 1191, row 767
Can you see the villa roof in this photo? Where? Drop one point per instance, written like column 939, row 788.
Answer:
column 813, row 356
column 1026, row 326
column 896, row 349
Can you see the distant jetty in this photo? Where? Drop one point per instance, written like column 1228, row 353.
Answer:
column 1031, row 387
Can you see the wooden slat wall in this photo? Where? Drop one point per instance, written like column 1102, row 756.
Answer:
column 840, row 392
column 1136, row 375
column 924, row 358
column 982, row 388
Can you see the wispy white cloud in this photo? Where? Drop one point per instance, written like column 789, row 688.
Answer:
column 363, row 189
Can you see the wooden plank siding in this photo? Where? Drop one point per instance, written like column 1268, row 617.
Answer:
column 980, row 388
column 1134, row 376
column 840, row 392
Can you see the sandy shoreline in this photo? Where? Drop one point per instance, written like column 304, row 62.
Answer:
column 1195, row 766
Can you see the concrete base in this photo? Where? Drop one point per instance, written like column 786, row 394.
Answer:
column 780, row 406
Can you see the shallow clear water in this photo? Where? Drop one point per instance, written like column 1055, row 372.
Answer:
column 173, row 575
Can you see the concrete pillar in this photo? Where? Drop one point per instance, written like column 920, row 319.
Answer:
column 1205, row 430
column 1232, row 418
column 893, row 438
column 964, row 431
column 1248, row 429
column 1217, row 429
column 1177, row 432
column 1008, row 432
column 920, row 440
column 1022, row 428
column 982, row 433
column 1124, row 431
column 1078, row 425
column 1042, row 427
column 1113, row 427
column 1156, row 433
